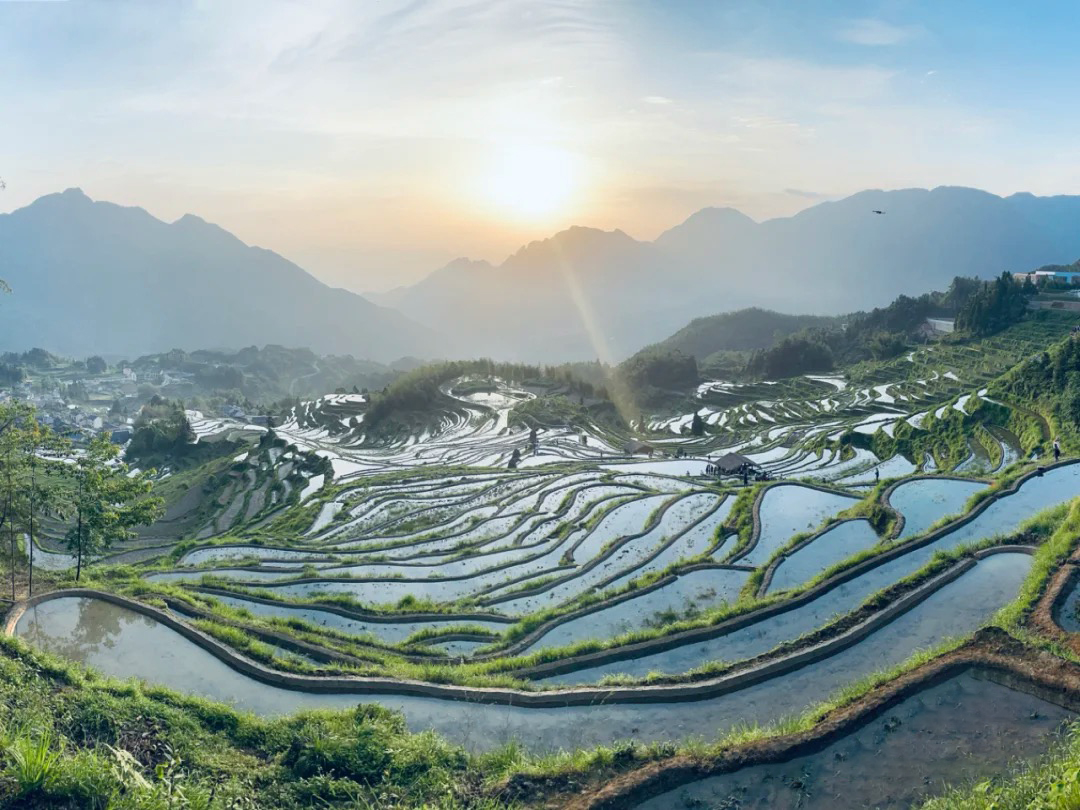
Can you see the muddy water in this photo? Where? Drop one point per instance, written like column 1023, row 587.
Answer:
column 1068, row 614
column 120, row 642
column 959, row 731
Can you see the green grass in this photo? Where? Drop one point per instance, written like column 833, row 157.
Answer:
column 376, row 658
column 1052, row 783
column 71, row 739
column 78, row 744
column 1060, row 525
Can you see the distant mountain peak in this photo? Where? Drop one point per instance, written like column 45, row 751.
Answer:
column 465, row 263
column 67, row 197
column 93, row 276
column 717, row 214
column 577, row 239
column 706, row 224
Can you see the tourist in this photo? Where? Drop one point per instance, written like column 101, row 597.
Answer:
column 1057, row 450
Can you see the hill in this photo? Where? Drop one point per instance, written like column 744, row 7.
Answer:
column 585, row 293
column 94, row 277
column 743, row 330
column 581, row 294
column 91, row 277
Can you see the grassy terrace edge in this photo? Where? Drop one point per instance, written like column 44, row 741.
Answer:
column 505, row 671
column 209, row 738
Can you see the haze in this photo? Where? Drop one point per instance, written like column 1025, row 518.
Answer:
column 373, row 142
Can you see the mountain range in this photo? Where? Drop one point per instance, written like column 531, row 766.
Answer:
column 585, row 292
column 94, row 277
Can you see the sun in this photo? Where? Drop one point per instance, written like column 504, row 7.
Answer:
column 530, row 181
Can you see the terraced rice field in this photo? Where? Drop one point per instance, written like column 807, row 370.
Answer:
column 587, row 597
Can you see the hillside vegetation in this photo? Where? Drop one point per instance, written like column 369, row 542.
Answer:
column 77, row 742
column 742, row 330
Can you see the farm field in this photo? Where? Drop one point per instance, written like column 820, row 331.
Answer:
column 589, row 597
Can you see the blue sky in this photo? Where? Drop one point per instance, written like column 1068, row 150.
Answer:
column 374, row 141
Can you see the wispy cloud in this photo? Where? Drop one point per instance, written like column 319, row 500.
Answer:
column 412, row 68
column 799, row 82
column 808, row 195
column 871, row 32
column 362, row 125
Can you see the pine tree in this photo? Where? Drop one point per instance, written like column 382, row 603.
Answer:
column 697, row 425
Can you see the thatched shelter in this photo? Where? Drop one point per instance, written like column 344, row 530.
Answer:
column 733, row 463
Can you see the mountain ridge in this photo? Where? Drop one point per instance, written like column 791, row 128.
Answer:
column 608, row 296
column 91, row 277
column 581, row 293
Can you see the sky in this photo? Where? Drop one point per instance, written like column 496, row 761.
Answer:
column 374, row 141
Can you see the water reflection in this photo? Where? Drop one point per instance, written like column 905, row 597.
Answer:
column 962, row 730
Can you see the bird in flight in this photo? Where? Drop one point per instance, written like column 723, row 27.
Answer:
column 875, row 211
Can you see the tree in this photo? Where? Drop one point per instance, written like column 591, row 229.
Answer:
column 12, row 466
column 996, row 305
column 39, row 358
column 96, row 364
column 656, row 368
column 41, row 493
column 24, row 492
column 162, row 427
column 76, row 392
column 697, row 425
column 105, row 501
column 794, row 355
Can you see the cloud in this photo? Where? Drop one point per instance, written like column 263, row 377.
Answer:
column 808, row 195
column 404, row 68
column 657, row 100
column 799, row 83
column 871, row 32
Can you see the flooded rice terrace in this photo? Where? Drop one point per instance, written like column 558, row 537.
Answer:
column 952, row 734
column 628, row 598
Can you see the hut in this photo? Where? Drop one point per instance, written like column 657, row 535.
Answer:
column 733, row 463
column 636, row 448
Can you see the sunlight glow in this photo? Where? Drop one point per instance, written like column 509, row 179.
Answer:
column 531, row 181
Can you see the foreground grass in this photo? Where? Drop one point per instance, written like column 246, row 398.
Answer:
column 70, row 739
column 1052, row 784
